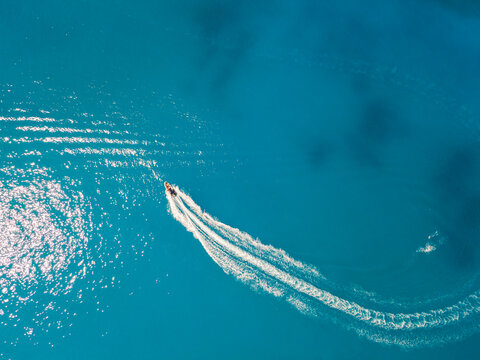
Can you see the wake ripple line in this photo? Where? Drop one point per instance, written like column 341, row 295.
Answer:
column 273, row 270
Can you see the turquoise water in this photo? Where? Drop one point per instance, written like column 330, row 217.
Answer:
column 345, row 135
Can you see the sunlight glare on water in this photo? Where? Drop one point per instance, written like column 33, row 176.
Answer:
column 45, row 227
column 345, row 136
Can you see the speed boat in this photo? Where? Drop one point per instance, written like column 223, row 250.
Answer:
column 170, row 189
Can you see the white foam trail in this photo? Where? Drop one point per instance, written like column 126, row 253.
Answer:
column 244, row 241
column 27, row 118
column 83, row 140
column 51, row 129
column 274, row 271
column 73, row 140
column 105, row 151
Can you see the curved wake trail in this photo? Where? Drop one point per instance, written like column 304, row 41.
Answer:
column 272, row 270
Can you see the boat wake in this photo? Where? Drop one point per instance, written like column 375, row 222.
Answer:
column 271, row 270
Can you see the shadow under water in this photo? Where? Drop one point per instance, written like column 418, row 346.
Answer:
column 467, row 8
column 379, row 124
column 456, row 184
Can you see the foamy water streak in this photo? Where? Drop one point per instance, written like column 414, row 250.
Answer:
column 274, row 271
column 51, row 129
column 36, row 119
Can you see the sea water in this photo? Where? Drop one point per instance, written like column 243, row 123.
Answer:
column 326, row 159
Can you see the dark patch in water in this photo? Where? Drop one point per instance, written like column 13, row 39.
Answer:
column 378, row 126
column 319, row 154
column 458, row 187
column 467, row 8
column 470, row 215
column 379, row 122
column 458, row 175
column 225, row 39
column 463, row 234
column 213, row 17
column 230, row 62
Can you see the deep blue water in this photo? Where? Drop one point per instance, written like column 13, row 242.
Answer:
column 345, row 133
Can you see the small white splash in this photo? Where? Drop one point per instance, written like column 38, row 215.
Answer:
column 427, row 248
column 434, row 241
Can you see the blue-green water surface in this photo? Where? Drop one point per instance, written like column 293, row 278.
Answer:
column 345, row 133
